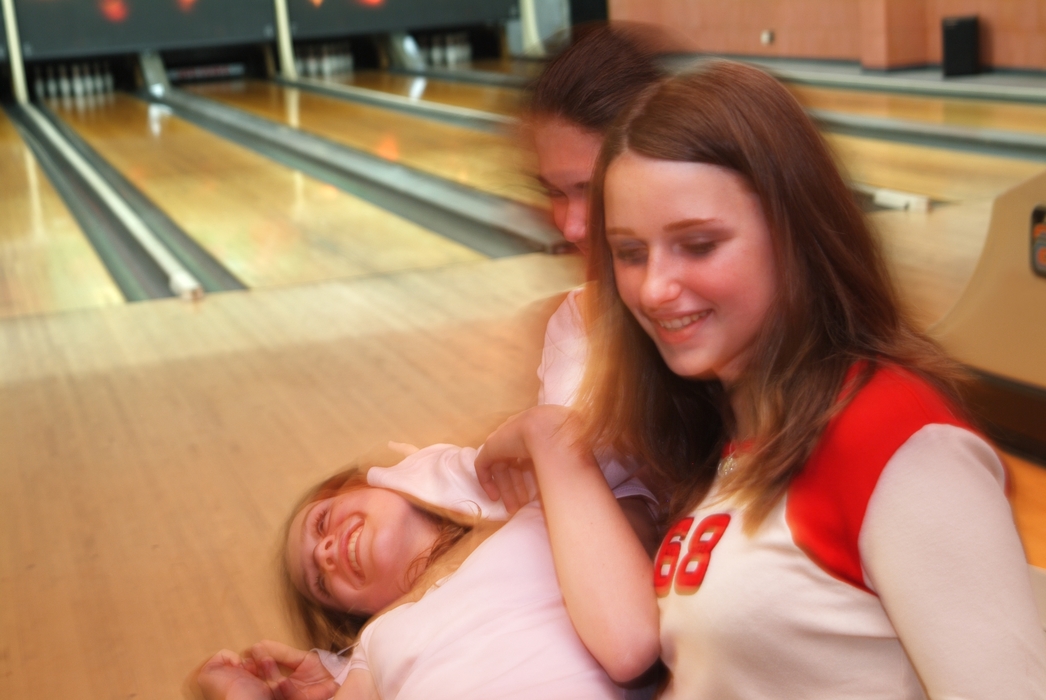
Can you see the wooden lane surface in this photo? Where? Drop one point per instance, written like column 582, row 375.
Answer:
column 941, row 174
column 152, row 452
column 522, row 68
column 266, row 223
column 978, row 114
column 46, row 263
column 487, row 98
column 493, row 163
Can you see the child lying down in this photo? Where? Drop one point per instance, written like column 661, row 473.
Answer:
column 438, row 592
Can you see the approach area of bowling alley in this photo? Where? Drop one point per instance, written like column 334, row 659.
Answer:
column 247, row 243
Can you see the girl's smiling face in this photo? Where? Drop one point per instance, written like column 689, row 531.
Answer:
column 693, row 260
column 355, row 551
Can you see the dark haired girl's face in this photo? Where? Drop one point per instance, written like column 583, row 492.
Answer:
column 693, row 260
column 354, row 552
column 566, row 158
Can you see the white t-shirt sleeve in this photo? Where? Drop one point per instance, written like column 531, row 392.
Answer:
column 444, row 476
column 563, row 354
column 939, row 547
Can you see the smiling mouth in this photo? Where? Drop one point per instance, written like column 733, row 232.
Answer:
column 353, row 560
column 676, row 324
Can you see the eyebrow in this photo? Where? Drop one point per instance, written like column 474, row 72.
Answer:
column 686, row 223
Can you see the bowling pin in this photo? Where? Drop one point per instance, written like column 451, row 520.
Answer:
column 437, row 50
column 52, row 84
column 425, row 49
column 78, row 83
column 110, row 84
column 99, row 81
column 325, row 61
column 64, row 86
column 38, row 85
column 311, row 64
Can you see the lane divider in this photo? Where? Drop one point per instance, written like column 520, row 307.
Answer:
column 181, row 282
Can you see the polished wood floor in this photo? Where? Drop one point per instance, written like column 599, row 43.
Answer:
column 943, row 175
column 489, row 162
column 46, row 264
column 151, row 451
column 266, row 223
column 975, row 114
column 487, row 98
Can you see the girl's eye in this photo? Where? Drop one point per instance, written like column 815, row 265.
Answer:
column 701, row 248
column 321, row 521
column 628, row 256
column 321, row 586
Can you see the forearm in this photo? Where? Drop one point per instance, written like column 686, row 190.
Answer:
column 603, row 569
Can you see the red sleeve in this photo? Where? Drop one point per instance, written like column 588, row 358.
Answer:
column 827, row 501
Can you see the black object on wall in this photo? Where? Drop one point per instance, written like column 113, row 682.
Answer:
column 588, row 11
column 960, row 45
column 52, row 29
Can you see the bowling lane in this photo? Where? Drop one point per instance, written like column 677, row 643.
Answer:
column 487, row 98
column 493, row 163
column 941, row 174
column 523, row 68
column 979, row 114
column 46, row 263
column 267, row 224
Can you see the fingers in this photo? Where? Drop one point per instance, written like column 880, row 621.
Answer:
column 484, row 472
column 284, row 655
column 519, row 487
column 502, row 476
column 403, row 448
column 225, row 657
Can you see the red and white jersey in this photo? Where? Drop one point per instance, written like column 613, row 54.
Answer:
column 891, row 569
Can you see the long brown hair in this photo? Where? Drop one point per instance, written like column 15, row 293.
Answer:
column 835, row 307
column 329, row 628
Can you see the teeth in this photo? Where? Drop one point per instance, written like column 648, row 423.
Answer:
column 352, row 552
column 676, row 323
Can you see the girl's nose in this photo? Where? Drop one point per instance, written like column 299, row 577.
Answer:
column 660, row 283
column 575, row 223
column 324, row 553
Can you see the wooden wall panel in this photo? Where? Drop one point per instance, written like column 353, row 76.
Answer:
column 878, row 33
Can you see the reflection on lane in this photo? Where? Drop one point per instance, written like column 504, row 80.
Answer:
column 268, row 224
column 494, row 163
column 46, row 263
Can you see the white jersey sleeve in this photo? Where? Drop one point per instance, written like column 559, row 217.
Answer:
column 939, row 548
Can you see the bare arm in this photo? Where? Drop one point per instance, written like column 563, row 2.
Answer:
column 603, row 569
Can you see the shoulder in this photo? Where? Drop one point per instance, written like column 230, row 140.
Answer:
column 567, row 321
column 828, row 500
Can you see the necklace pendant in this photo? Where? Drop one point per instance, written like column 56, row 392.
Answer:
column 726, row 465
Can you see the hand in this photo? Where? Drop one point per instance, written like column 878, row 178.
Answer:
column 308, row 679
column 403, row 448
column 226, row 677
column 509, row 452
